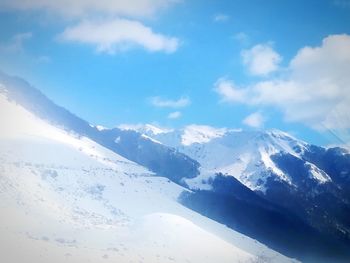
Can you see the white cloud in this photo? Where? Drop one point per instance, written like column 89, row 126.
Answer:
column 80, row 8
column 261, row 59
column 16, row 42
column 255, row 120
column 174, row 115
column 229, row 91
column 118, row 35
column 110, row 34
column 315, row 89
column 221, row 17
column 166, row 103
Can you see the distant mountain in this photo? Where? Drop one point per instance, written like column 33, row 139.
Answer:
column 309, row 181
column 246, row 155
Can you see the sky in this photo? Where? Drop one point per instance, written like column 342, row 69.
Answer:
column 248, row 64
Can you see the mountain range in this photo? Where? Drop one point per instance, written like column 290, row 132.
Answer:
column 142, row 193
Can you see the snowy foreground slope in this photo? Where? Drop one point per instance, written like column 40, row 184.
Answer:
column 64, row 198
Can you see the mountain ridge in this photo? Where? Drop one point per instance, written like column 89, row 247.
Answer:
column 278, row 167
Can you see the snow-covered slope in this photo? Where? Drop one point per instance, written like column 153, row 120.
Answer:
column 65, row 198
column 311, row 183
column 138, row 148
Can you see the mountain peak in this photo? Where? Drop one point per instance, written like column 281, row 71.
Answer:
column 200, row 134
column 146, row 129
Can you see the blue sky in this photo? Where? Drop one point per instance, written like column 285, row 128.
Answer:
column 220, row 63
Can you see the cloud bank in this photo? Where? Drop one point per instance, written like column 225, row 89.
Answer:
column 315, row 90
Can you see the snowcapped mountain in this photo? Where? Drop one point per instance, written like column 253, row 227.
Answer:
column 246, row 155
column 287, row 194
column 249, row 156
column 66, row 198
column 310, row 182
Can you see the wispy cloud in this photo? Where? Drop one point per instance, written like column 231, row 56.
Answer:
column 84, row 8
column 261, row 59
column 221, row 17
column 242, row 38
column 255, row 120
column 314, row 90
column 16, row 43
column 167, row 103
column 118, row 35
column 342, row 3
column 43, row 59
column 174, row 115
